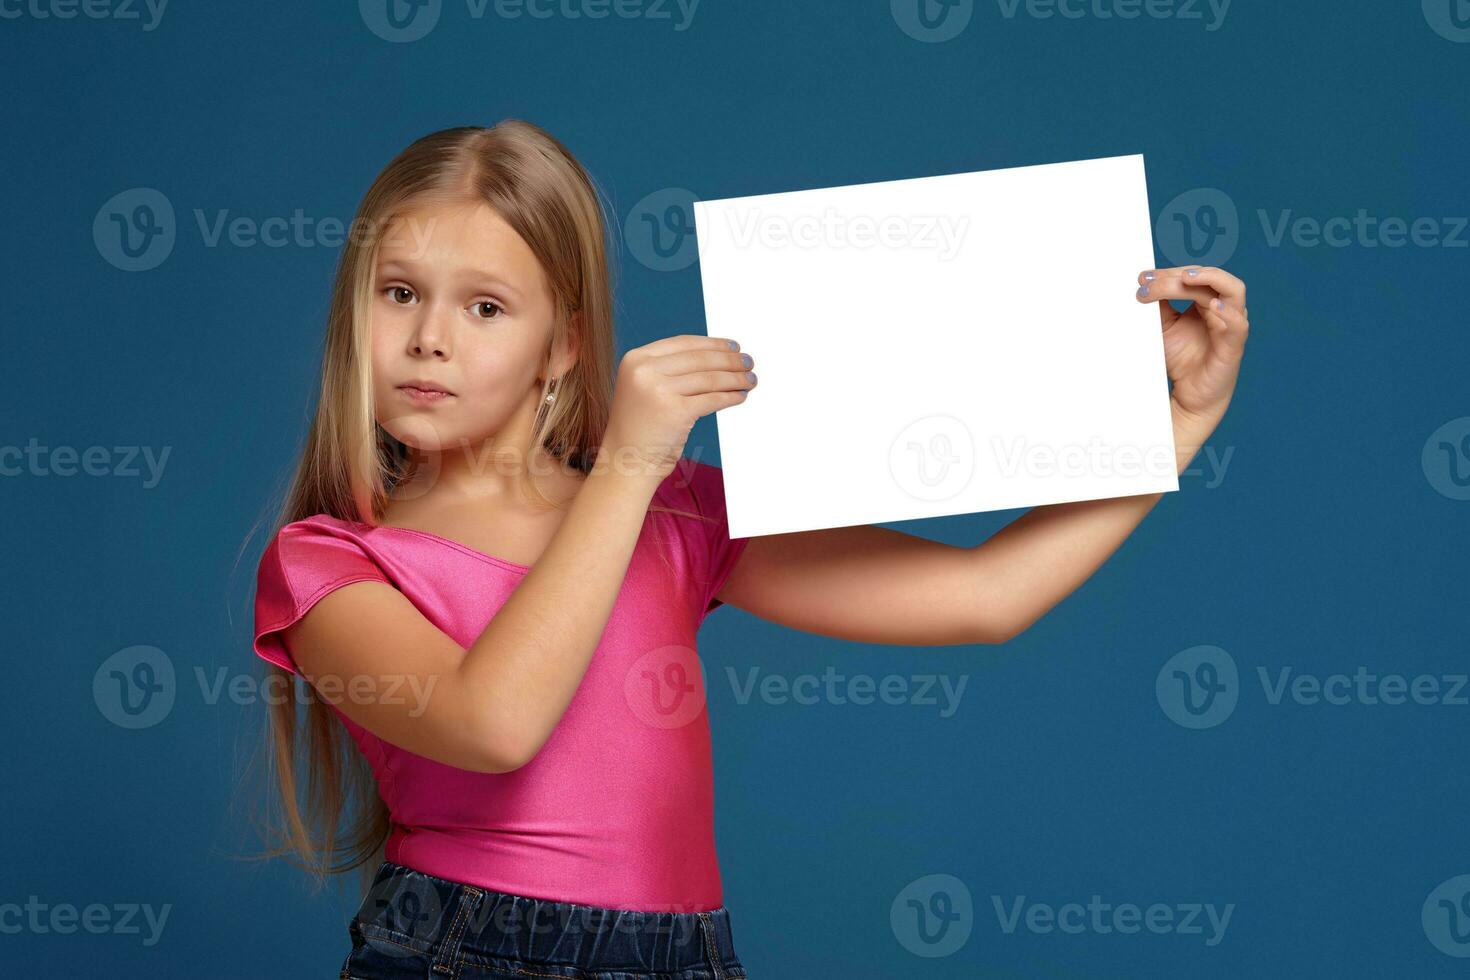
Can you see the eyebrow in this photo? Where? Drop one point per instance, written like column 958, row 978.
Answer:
column 479, row 276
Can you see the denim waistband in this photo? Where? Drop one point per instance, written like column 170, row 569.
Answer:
column 451, row 923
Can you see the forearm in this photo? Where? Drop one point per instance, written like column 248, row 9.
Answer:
column 531, row 657
column 1040, row 558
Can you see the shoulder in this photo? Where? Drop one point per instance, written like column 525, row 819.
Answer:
column 309, row 557
column 305, row 561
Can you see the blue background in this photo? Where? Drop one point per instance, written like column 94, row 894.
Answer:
column 1325, row 547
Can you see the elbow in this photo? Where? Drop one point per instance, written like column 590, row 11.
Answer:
column 500, row 752
column 494, row 760
column 997, row 628
column 492, row 763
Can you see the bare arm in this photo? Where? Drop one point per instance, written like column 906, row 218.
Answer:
column 490, row 708
column 873, row 584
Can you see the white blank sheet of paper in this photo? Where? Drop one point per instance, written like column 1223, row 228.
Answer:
column 938, row 345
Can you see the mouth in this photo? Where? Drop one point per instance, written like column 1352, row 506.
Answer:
column 423, row 392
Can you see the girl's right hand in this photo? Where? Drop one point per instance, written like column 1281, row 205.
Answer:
column 662, row 389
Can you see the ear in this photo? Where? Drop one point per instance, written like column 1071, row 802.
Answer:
column 564, row 353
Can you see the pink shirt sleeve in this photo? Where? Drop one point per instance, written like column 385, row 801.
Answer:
column 304, row 563
column 706, row 486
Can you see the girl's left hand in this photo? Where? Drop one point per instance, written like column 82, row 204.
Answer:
column 1203, row 345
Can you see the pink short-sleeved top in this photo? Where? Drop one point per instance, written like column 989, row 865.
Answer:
column 617, row 809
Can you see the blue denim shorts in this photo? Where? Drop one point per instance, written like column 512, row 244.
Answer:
column 412, row 924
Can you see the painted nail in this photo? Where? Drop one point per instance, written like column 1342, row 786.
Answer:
column 1143, row 290
column 747, row 360
column 1193, row 272
column 1149, row 277
column 1219, row 304
column 750, row 375
column 733, row 345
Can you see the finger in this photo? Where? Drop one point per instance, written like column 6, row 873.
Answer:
column 1172, row 287
column 691, row 361
column 714, row 401
column 704, row 382
column 1227, row 325
column 689, row 341
column 1229, row 287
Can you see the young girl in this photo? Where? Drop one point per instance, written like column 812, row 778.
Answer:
column 494, row 561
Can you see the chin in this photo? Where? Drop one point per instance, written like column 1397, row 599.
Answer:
column 422, row 433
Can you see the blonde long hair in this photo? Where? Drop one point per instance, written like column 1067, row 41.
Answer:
column 349, row 463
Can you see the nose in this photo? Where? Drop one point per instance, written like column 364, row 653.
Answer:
column 430, row 336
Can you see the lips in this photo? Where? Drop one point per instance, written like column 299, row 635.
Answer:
column 424, row 392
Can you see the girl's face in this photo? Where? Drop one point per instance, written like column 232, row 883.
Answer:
column 460, row 304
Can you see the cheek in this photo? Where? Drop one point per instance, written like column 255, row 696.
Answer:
column 488, row 379
column 382, row 345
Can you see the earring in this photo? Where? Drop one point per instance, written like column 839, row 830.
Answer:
column 551, row 395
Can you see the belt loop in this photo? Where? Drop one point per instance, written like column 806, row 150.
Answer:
column 709, row 947
column 446, row 959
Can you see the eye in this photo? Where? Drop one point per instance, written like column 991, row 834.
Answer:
column 487, row 309
column 400, row 295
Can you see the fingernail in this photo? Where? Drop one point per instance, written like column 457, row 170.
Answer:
column 1219, row 304
column 1143, row 290
column 1148, row 277
column 733, row 345
column 747, row 360
column 750, row 375
column 1193, row 272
